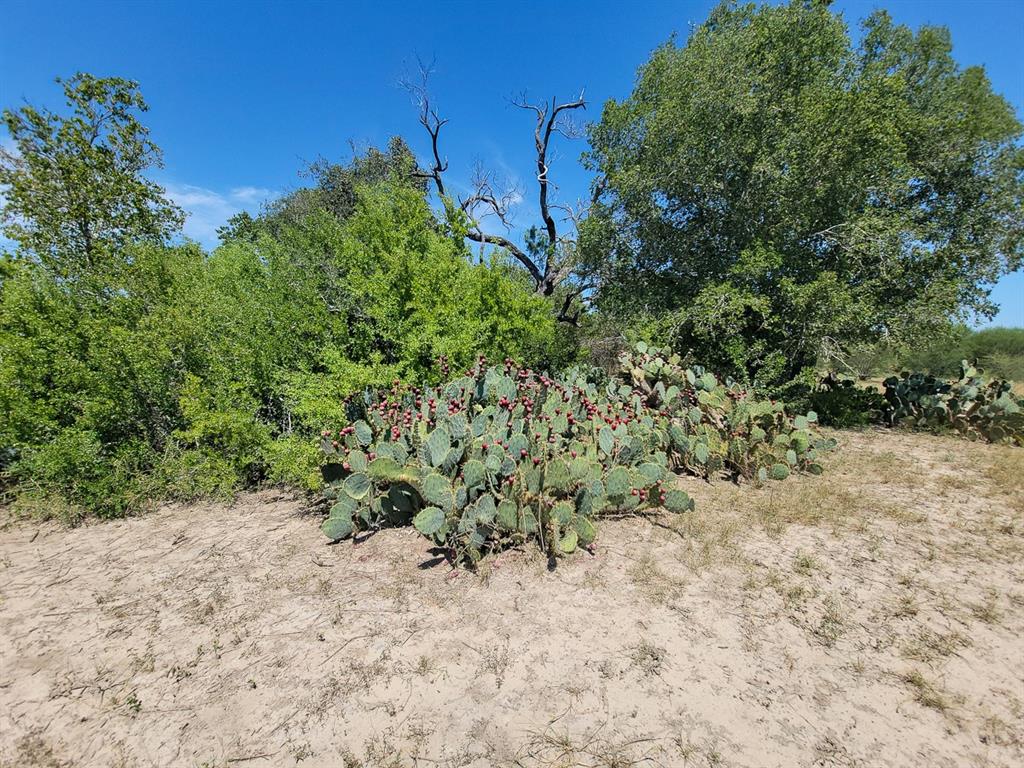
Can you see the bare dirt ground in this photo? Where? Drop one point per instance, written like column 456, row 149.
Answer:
column 872, row 616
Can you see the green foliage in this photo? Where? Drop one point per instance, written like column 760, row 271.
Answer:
column 502, row 455
column 335, row 190
column 969, row 405
column 772, row 193
column 841, row 403
column 131, row 370
column 222, row 357
column 401, row 294
column 1000, row 351
column 74, row 471
column 75, row 194
column 223, row 428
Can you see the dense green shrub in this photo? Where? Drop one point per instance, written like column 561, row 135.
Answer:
column 190, row 374
column 503, row 454
column 130, row 369
column 842, row 403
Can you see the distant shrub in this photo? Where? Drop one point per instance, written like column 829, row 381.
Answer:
column 1000, row 351
column 842, row 403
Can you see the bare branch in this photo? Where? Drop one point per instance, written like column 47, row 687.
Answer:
column 549, row 120
column 429, row 119
column 503, row 242
column 498, row 204
column 574, row 213
column 522, row 102
column 488, row 198
column 497, row 198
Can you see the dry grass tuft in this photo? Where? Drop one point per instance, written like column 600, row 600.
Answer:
column 1006, row 469
column 832, row 624
column 648, row 658
column 988, row 610
column 32, row 750
column 653, row 582
column 929, row 646
column 557, row 747
column 926, row 693
column 804, row 563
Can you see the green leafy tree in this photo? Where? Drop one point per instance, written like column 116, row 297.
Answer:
column 74, row 186
column 131, row 368
column 195, row 373
column 771, row 191
column 334, row 187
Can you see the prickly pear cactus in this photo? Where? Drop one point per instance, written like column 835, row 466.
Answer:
column 970, row 405
column 717, row 427
column 503, row 455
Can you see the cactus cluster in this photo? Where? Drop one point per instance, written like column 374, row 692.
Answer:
column 714, row 426
column 503, row 454
column 975, row 408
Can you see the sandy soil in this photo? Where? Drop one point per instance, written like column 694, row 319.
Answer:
column 872, row 616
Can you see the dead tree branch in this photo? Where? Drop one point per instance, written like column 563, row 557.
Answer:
column 430, row 120
column 550, row 119
column 556, row 264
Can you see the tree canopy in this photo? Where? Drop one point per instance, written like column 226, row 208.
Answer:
column 335, row 185
column 75, row 189
column 771, row 190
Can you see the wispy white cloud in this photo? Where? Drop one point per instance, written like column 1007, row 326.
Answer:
column 208, row 209
column 251, row 194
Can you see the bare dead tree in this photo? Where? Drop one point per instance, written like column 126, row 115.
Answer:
column 552, row 262
column 552, row 118
column 431, row 122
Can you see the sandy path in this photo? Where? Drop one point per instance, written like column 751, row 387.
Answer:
column 872, row 616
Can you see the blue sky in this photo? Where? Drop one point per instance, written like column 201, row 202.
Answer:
column 242, row 95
